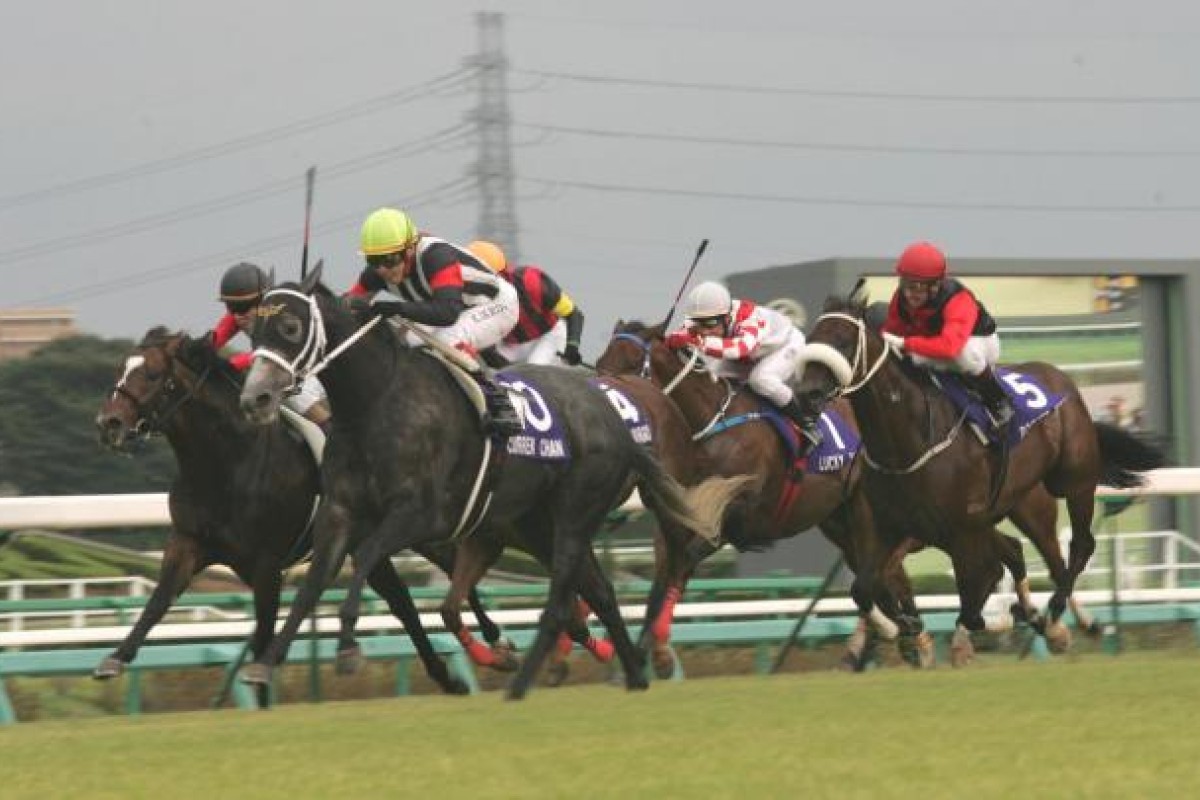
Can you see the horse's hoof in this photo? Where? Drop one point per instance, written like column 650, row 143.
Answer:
column 926, row 652
column 504, row 654
column 1094, row 630
column 637, row 683
column 454, row 686
column 348, row 661
column 515, row 692
column 1058, row 638
column 556, row 673
column 110, row 667
column 663, row 661
column 256, row 674
column 1019, row 614
column 848, row 662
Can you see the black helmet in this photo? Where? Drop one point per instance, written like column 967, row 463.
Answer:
column 244, row 283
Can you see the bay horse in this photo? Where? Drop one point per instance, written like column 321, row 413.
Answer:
column 243, row 497
column 406, row 435
column 929, row 479
column 708, row 402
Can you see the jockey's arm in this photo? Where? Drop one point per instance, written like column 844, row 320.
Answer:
column 736, row 347
column 439, row 311
column 225, row 329
column 958, row 320
column 572, row 314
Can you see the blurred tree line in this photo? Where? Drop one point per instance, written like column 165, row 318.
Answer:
column 48, row 441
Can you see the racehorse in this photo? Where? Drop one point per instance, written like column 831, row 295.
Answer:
column 406, row 434
column 929, row 479
column 243, row 497
column 828, row 501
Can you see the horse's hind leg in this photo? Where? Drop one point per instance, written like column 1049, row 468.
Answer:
column 1036, row 516
column 442, row 555
column 1080, row 508
column 474, row 556
column 391, row 587
column 598, row 591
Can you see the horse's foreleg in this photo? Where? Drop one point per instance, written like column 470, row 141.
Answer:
column 391, row 587
column 976, row 572
column 442, row 555
column 268, row 581
column 182, row 559
column 332, row 528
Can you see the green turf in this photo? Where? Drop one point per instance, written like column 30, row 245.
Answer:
column 1071, row 349
column 1100, row 726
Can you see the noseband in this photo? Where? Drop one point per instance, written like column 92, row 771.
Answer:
column 152, row 416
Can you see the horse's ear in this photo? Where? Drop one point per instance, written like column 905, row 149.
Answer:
column 313, row 278
column 618, row 326
column 859, row 296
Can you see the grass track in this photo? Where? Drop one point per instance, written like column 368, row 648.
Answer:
column 1097, row 727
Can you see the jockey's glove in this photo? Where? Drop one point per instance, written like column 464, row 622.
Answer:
column 680, row 339
column 570, row 354
column 391, row 308
column 896, row 342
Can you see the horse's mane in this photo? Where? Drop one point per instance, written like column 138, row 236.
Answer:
column 197, row 354
column 637, row 326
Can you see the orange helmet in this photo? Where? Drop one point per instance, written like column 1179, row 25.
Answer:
column 922, row 261
column 489, row 254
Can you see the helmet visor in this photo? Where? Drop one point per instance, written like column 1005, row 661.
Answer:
column 241, row 306
column 717, row 321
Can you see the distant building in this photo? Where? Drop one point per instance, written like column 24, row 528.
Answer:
column 23, row 330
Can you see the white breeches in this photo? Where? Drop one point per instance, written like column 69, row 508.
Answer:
column 979, row 353
column 542, row 350
column 479, row 327
column 770, row 375
column 311, row 392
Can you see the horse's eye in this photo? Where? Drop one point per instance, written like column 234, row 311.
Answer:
column 291, row 328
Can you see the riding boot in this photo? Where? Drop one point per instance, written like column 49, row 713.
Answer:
column 503, row 419
column 991, row 391
column 810, row 434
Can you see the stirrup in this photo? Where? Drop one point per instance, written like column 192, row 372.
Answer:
column 502, row 419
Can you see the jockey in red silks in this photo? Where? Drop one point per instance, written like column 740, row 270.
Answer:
column 747, row 342
column 940, row 324
column 551, row 324
column 447, row 292
column 242, row 288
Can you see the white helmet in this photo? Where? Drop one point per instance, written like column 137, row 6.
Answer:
column 709, row 299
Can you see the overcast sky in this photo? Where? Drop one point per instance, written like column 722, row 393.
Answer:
column 147, row 145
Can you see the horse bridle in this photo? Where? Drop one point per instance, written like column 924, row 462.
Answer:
column 844, row 372
column 151, row 420
column 312, row 358
column 692, row 364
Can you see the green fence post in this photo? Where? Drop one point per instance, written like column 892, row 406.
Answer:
column 7, row 715
column 133, row 692
column 1112, row 639
column 403, row 684
column 314, row 661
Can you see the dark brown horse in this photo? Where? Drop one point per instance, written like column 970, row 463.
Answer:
column 931, row 480
column 243, row 496
column 827, row 501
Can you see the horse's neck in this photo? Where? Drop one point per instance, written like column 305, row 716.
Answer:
column 698, row 397
column 898, row 418
column 204, row 436
column 363, row 372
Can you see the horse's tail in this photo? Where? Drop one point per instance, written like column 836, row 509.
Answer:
column 1125, row 457
column 700, row 509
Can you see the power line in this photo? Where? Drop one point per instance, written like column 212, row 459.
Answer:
column 166, row 272
column 362, row 108
column 851, row 94
column 226, row 202
column 855, row 148
column 860, row 203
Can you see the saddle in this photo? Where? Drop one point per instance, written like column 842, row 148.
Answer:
column 1031, row 403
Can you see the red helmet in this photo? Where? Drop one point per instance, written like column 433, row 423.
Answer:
column 922, row 261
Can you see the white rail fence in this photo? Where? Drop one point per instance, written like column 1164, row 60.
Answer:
column 113, row 511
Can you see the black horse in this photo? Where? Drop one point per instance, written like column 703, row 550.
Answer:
column 407, row 437
column 243, row 497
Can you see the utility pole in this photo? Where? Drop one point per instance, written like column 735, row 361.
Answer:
column 493, row 170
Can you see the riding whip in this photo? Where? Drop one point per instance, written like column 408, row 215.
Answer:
column 686, row 279
column 310, row 177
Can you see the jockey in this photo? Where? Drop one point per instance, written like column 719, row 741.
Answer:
column 242, row 289
column 445, row 290
column 941, row 326
column 749, row 342
column 551, row 324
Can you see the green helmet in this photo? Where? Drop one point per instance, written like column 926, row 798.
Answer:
column 387, row 230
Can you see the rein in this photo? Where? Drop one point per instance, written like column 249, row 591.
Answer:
column 845, row 371
column 311, row 359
